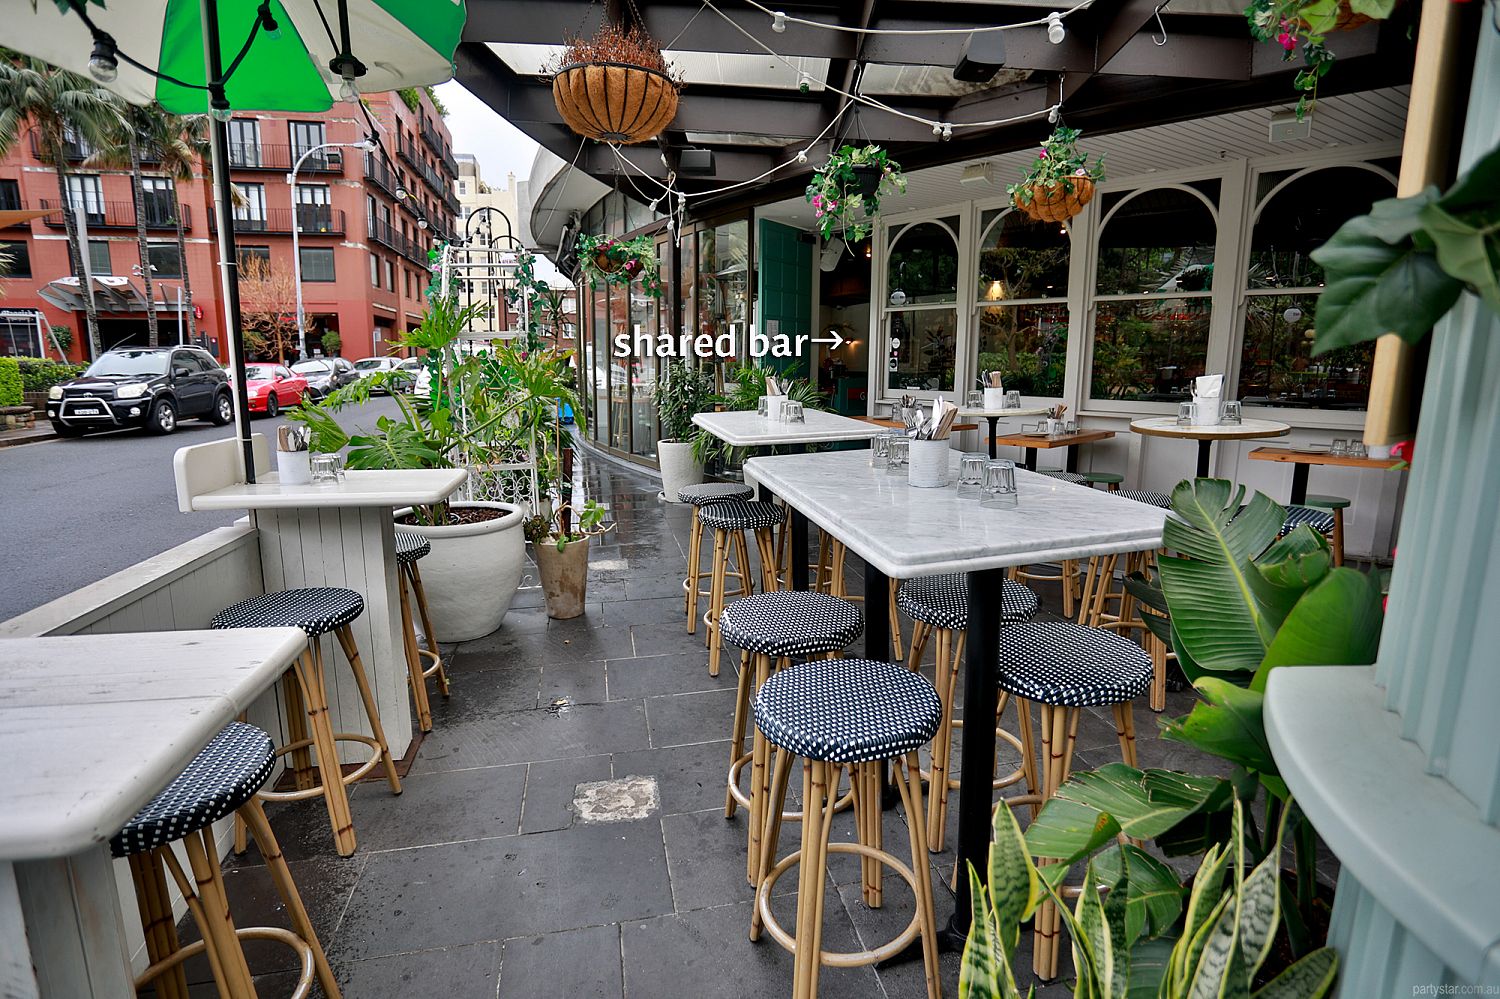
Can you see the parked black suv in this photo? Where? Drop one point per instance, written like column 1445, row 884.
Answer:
column 150, row 387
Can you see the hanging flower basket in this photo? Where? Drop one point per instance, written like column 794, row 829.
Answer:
column 615, row 87
column 1305, row 24
column 845, row 194
column 614, row 261
column 1060, row 181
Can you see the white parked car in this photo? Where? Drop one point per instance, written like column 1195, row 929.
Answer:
column 385, row 365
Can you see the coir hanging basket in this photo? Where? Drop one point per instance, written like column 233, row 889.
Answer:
column 615, row 102
column 1054, row 202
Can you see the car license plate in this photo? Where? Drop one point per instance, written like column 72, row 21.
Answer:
column 87, row 411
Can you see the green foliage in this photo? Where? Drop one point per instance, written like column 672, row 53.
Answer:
column 1399, row 268
column 38, row 374
column 1290, row 23
column 837, row 192
column 64, row 336
column 10, row 382
column 683, row 391
column 744, row 385
column 624, row 261
column 332, row 342
column 325, row 434
column 410, row 98
column 1059, row 162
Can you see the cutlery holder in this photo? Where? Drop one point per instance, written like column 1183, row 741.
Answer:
column 929, row 464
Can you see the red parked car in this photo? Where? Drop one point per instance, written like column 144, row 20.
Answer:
column 271, row 387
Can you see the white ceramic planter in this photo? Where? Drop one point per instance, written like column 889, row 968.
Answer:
column 678, row 467
column 473, row 571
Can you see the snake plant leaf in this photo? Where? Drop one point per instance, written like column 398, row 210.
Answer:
column 1095, row 953
column 1309, row 978
column 1153, row 898
column 1203, row 903
column 1260, row 898
column 984, row 973
column 1467, row 250
column 1014, row 887
column 1215, row 613
column 1228, row 723
column 1378, row 279
column 1288, row 569
column 1149, row 961
column 1336, row 623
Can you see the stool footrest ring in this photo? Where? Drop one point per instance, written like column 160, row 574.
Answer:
column 841, row 805
column 358, row 773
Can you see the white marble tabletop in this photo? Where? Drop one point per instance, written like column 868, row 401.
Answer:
column 376, row 487
column 742, row 428
column 91, row 726
column 906, row 532
column 1167, row 426
column 990, row 414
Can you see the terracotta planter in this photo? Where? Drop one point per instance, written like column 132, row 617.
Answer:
column 604, row 263
column 614, row 102
column 1055, row 203
column 565, row 576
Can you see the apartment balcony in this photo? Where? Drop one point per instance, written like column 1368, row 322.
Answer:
column 312, row 220
column 391, row 237
column 279, row 158
column 380, row 175
column 119, row 215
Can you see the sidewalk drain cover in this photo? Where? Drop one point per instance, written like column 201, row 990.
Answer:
column 623, row 799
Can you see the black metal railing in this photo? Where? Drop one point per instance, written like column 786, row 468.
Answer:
column 312, row 220
column 380, row 175
column 271, row 156
column 119, row 215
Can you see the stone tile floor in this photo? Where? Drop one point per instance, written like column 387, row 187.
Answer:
column 485, row 878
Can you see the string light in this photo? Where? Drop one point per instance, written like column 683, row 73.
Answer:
column 778, row 21
column 783, row 17
column 103, row 65
column 1055, row 30
column 268, row 23
column 348, row 92
column 947, row 131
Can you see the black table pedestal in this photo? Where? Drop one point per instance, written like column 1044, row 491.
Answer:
column 1299, row 483
column 1205, row 449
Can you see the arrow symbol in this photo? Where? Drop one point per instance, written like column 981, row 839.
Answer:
column 833, row 338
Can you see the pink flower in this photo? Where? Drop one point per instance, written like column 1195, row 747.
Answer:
column 1080, row 172
column 1287, row 40
column 1042, row 155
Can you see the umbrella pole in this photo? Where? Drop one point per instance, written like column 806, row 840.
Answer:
column 218, row 144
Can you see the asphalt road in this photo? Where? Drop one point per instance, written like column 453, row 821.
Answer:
column 78, row 510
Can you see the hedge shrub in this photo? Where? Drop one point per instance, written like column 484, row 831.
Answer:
column 10, row 382
column 39, row 374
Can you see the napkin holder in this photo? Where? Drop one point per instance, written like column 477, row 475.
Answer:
column 1206, row 410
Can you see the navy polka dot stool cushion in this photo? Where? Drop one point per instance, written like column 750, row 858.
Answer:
column 1073, row 477
column 411, row 546
column 1062, row 663
column 740, row 515
column 315, row 609
column 1319, row 520
column 848, row 710
column 790, row 623
column 713, row 492
column 943, row 601
column 220, row 779
column 1147, row 496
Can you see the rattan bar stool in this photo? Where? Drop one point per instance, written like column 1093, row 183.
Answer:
column 410, row 547
column 1337, row 505
column 700, row 495
column 729, row 520
column 838, row 554
column 1063, row 668
column 221, row 780
column 1070, row 576
column 317, row 611
column 940, row 607
column 837, row 714
column 1330, row 525
column 772, row 629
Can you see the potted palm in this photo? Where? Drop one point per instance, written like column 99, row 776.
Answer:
column 682, row 392
column 561, row 545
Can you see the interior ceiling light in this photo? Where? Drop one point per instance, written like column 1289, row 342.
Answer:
column 1055, row 30
column 778, row 22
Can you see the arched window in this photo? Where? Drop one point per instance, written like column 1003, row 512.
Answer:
column 1296, row 212
column 1022, row 302
column 921, row 318
column 1153, row 285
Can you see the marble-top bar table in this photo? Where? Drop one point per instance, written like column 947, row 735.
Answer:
column 1248, row 430
column 331, row 534
column 901, row 532
column 91, row 727
column 994, row 416
column 742, row 428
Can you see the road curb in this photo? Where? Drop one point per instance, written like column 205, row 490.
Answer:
column 8, row 441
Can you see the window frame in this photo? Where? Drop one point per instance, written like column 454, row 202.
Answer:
column 971, row 356
column 167, row 244
column 19, row 250
column 307, row 272
column 880, row 247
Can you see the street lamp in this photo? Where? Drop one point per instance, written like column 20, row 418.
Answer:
column 368, row 146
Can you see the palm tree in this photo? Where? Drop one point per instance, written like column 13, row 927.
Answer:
column 122, row 148
column 58, row 106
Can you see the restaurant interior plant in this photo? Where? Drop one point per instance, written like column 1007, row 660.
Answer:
column 1059, row 182
column 612, row 260
column 683, row 391
column 616, row 86
column 845, row 195
column 560, row 541
column 1306, row 24
column 744, row 384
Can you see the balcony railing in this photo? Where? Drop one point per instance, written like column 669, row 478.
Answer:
column 380, row 175
column 387, row 235
column 312, row 220
column 439, row 146
column 269, row 156
column 414, row 160
column 119, row 215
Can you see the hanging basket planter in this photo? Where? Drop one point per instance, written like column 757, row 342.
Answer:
column 1056, row 202
column 615, row 102
column 845, row 194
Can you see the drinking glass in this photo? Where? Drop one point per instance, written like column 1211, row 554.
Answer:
column 763, row 406
column 896, row 457
column 1231, row 413
column 1184, row 414
column 1070, row 427
column 975, row 399
column 325, row 468
column 999, row 487
column 1340, row 446
column 880, row 450
column 971, row 474
column 1357, row 450
column 1013, row 399
column 791, row 412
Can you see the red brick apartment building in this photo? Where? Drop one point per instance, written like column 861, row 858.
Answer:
column 364, row 257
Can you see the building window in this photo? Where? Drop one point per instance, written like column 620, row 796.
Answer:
column 166, row 262
column 406, row 275
column 390, row 276
column 159, row 198
column 921, row 318
column 317, row 263
column 374, row 271
column 244, row 143
column 1022, row 305
column 17, row 254
column 10, row 195
column 1153, row 290
column 308, row 135
column 723, row 281
column 314, row 208
column 250, row 212
column 1295, row 213
column 253, row 256
column 99, row 262
column 86, row 197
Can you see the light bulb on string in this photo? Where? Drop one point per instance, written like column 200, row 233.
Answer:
column 947, row 131
column 400, row 193
column 103, row 66
column 421, row 223
column 220, row 110
column 937, row 128
column 802, row 156
column 1055, row 30
column 348, row 92
column 268, row 23
column 778, row 21
column 1053, row 116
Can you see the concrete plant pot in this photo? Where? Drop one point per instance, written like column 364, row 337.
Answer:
column 473, row 571
column 565, row 576
column 678, row 468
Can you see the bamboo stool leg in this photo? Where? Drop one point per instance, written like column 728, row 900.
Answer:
column 741, row 722
column 694, row 573
column 200, row 919
column 770, row 570
column 157, row 922
column 895, row 615
column 760, row 755
column 309, row 670
column 203, row 858
column 437, row 668
column 716, row 599
column 781, row 772
column 296, row 728
column 265, row 840
column 920, row 630
column 1125, row 730
column 817, row 809
column 937, row 793
column 1062, row 723
column 1158, row 695
column 910, row 786
column 372, row 711
column 416, row 681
